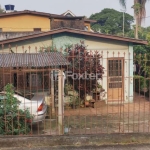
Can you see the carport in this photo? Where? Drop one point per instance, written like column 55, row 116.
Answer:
column 25, row 66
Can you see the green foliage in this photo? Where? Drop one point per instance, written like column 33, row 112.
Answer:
column 48, row 49
column 13, row 121
column 81, row 62
column 142, row 33
column 137, row 8
column 141, row 83
column 110, row 21
column 68, row 87
column 74, row 101
column 142, row 57
column 123, row 3
column 143, row 54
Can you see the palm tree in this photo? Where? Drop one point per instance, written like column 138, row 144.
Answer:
column 139, row 12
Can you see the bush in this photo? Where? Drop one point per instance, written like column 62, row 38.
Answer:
column 140, row 83
column 13, row 121
column 83, row 61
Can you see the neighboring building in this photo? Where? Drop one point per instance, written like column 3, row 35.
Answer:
column 117, row 52
column 27, row 22
column 24, row 21
column 87, row 22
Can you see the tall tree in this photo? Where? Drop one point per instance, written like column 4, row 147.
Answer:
column 139, row 12
column 109, row 21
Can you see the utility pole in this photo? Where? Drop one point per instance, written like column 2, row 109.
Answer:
column 123, row 23
column 123, row 20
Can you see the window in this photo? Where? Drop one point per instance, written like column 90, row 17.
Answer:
column 115, row 68
column 37, row 29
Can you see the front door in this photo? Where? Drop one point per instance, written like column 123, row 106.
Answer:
column 115, row 79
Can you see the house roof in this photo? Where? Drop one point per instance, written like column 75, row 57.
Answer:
column 75, row 31
column 32, row 59
column 15, row 13
column 48, row 15
column 73, row 15
column 67, row 17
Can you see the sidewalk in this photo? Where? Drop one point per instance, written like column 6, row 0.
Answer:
column 138, row 141
column 119, row 147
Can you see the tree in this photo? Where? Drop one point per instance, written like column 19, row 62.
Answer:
column 139, row 12
column 110, row 21
column 1, row 9
column 13, row 121
column 141, row 60
column 142, row 34
column 83, row 64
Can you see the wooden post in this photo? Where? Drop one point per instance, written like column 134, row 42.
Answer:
column 52, row 93
column 60, row 103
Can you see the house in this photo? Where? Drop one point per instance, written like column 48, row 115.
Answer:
column 117, row 56
column 27, row 22
column 87, row 22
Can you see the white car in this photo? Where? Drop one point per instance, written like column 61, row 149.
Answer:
column 36, row 105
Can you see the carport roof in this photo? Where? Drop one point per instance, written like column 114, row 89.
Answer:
column 33, row 59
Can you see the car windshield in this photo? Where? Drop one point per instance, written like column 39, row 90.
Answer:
column 27, row 95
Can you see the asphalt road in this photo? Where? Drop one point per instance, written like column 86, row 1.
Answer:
column 123, row 147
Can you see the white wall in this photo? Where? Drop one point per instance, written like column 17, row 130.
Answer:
column 30, row 45
column 110, row 49
column 111, row 54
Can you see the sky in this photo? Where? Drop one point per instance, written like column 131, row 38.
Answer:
column 78, row 7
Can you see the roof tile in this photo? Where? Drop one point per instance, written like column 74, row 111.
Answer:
column 32, row 59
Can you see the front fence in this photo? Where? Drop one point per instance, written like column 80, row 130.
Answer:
column 76, row 91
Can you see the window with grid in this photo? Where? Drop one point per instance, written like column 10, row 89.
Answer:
column 115, row 68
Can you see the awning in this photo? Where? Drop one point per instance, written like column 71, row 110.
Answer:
column 33, row 59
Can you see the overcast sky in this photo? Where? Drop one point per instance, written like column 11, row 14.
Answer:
column 78, row 7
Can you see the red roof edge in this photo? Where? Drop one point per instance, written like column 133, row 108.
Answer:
column 76, row 31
